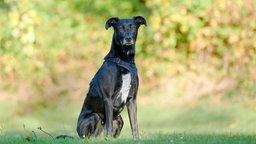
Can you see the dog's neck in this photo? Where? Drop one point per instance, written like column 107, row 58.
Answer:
column 116, row 52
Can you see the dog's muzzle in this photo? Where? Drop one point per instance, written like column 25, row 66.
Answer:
column 127, row 41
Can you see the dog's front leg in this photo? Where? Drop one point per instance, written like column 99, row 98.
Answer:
column 132, row 112
column 108, row 117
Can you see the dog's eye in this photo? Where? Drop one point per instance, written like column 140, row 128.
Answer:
column 121, row 28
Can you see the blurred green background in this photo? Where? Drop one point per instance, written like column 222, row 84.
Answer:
column 196, row 62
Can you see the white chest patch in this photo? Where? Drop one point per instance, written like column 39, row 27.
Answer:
column 125, row 88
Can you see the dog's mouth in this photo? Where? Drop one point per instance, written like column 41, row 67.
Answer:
column 128, row 42
column 127, row 48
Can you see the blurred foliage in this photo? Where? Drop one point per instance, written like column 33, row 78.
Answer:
column 220, row 34
column 52, row 48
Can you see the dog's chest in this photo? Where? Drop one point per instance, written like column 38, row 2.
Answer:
column 124, row 91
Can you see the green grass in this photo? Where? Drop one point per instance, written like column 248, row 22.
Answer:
column 204, row 122
column 173, row 138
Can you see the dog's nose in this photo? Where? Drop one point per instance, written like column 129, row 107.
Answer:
column 128, row 39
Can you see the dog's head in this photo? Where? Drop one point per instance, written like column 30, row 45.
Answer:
column 126, row 30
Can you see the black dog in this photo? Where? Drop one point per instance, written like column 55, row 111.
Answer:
column 114, row 85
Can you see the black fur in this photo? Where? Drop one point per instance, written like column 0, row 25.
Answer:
column 100, row 114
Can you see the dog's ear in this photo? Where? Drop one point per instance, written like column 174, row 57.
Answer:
column 111, row 22
column 140, row 20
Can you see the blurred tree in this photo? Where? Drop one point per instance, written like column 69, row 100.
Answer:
column 54, row 45
column 111, row 8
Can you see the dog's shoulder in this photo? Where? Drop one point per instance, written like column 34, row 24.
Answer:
column 108, row 72
column 105, row 80
column 109, row 68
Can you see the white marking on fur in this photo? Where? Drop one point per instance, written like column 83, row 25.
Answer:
column 125, row 88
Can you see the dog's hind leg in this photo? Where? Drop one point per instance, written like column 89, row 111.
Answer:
column 90, row 126
column 117, row 125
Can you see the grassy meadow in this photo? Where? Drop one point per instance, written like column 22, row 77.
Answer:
column 196, row 61
column 202, row 122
